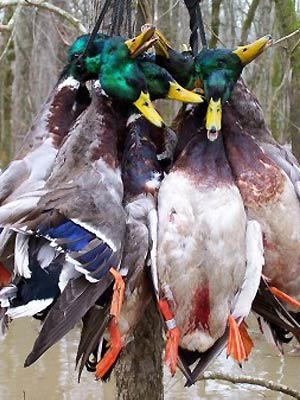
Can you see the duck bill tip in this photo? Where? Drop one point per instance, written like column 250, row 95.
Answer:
column 249, row 52
column 145, row 106
column 177, row 92
column 213, row 119
column 139, row 41
column 162, row 45
column 212, row 135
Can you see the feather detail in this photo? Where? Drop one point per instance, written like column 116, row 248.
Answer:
column 29, row 309
column 90, row 255
column 153, row 222
column 255, row 262
column 15, row 210
column 77, row 298
column 21, row 267
column 45, row 255
column 6, row 294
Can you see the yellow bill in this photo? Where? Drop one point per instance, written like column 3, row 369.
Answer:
column 213, row 119
column 144, row 105
column 177, row 92
column 249, row 52
column 137, row 42
column 162, row 45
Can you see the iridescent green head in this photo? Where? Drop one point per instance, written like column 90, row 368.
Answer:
column 218, row 70
column 87, row 67
column 121, row 78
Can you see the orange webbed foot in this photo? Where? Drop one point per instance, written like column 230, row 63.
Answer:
column 239, row 343
column 247, row 341
column 118, row 293
column 283, row 296
column 115, row 346
column 171, row 352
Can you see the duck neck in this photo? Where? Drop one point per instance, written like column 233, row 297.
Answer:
column 141, row 171
column 108, row 130
column 205, row 161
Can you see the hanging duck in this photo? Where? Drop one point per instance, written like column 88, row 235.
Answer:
column 142, row 174
column 68, row 99
column 202, row 227
column 269, row 197
column 215, row 70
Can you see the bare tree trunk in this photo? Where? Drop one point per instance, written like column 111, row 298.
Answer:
column 248, row 21
column 288, row 21
column 39, row 56
column 215, row 22
column 6, row 78
column 139, row 372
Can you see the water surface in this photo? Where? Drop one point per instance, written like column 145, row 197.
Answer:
column 53, row 377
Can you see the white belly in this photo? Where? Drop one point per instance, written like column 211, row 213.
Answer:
column 201, row 255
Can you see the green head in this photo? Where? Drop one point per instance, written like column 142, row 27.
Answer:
column 121, row 78
column 88, row 67
column 179, row 65
column 162, row 85
column 218, row 70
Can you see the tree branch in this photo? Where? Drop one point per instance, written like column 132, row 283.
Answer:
column 248, row 21
column 44, row 5
column 277, row 387
column 297, row 31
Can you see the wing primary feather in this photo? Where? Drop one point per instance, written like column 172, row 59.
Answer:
column 74, row 302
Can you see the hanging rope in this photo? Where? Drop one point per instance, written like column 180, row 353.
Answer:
column 117, row 19
column 196, row 23
column 201, row 26
column 96, row 28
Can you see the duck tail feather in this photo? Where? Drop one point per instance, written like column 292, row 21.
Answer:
column 94, row 324
column 281, row 320
column 77, row 298
column 208, row 357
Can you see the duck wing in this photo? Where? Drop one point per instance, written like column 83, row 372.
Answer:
column 74, row 302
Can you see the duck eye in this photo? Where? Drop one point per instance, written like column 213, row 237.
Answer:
column 244, row 49
column 146, row 104
column 178, row 90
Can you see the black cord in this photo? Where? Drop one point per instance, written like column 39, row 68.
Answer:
column 201, row 26
column 196, row 23
column 95, row 29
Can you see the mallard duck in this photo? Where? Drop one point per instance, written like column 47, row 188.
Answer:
column 121, row 78
column 142, row 174
column 162, row 85
column 218, row 70
column 179, row 65
column 203, row 229
column 269, row 196
column 85, row 64
column 215, row 70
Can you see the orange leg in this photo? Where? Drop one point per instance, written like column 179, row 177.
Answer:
column 247, row 341
column 285, row 297
column 239, row 343
column 171, row 353
column 118, row 294
column 115, row 346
